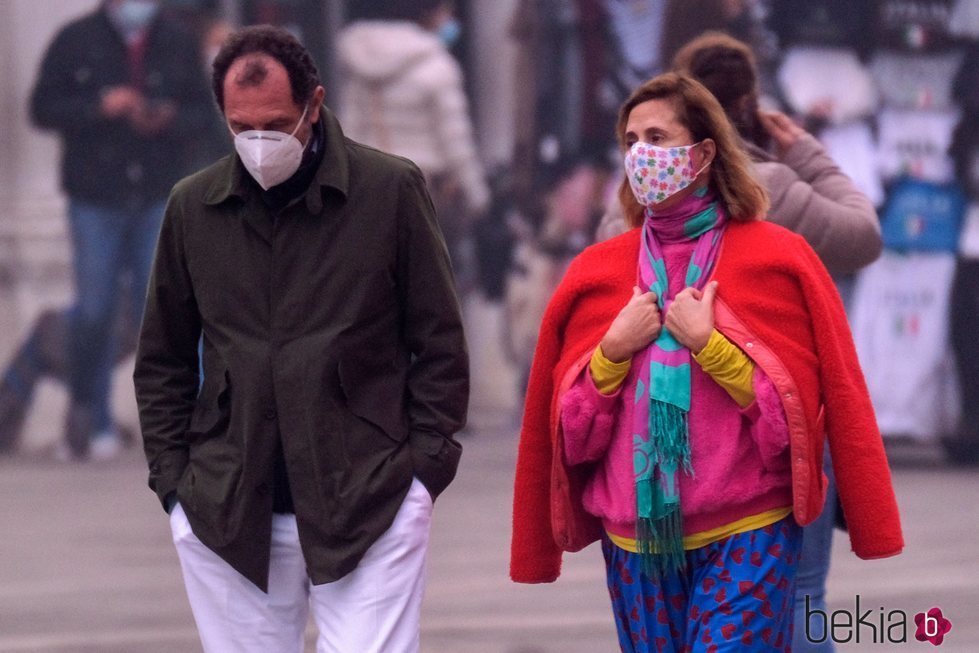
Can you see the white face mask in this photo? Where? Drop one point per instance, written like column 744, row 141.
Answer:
column 136, row 15
column 270, row 157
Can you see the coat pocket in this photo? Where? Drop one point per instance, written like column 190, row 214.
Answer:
column 213, row 479
column 769, row 425
column 376, row 396
column 215, row 459
column 213, row 407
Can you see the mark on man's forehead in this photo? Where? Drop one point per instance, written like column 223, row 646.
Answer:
column 252, row 72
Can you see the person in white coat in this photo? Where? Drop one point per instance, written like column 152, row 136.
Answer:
column 402, row 92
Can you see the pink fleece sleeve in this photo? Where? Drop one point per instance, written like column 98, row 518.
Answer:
column 587, row 420
column 767, row 423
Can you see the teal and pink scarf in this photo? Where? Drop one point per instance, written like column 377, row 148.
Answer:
column 661, row 445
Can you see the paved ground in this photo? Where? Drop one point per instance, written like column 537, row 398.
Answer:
column 86, row 565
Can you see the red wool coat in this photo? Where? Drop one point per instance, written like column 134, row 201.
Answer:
column 776, row 301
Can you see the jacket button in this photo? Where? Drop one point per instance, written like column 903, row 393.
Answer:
column 270, row 413
column 749, row 345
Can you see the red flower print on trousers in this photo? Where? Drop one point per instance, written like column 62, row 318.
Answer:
column 932, row 626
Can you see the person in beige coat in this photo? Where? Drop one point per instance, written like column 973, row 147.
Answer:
column 809, row 193
column 402, row 92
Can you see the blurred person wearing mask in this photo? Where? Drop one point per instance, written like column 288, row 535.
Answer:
column 812, row 197
column 300, row 475
column 123, row 88
column 403, row 93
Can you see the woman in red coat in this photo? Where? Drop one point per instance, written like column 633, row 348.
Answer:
column 687, row 375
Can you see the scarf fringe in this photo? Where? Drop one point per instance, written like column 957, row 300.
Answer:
column 659, row 524
column 669, row 432
column 660, row 544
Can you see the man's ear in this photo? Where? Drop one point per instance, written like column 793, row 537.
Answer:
column 315, row 103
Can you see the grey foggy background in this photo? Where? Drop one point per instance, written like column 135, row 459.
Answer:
column 85, row 559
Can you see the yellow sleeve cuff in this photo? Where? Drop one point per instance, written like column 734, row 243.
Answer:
column 606, row 375
column 729, row 367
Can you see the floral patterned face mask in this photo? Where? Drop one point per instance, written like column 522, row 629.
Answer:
column 655, row 173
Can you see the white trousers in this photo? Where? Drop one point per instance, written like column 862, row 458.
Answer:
column 374, row 609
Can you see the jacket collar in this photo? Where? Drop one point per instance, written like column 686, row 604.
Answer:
column 334, row 171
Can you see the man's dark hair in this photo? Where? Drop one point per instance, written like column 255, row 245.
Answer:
column 274, row 42
column 416, row 10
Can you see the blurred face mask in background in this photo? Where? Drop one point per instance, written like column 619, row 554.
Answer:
column 449, row 32
column 657, row 173
column 270, row 157
column 136, row 14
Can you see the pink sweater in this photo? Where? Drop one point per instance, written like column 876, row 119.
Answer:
column 740, row 456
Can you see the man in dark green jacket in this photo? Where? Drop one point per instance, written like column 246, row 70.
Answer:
column 335, row 371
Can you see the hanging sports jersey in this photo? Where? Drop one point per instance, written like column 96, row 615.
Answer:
column 916, row 143
column 916, row 81
column 914, row 25
column 834, row 78
column 900, row 320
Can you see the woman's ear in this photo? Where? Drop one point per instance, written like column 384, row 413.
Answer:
column 708, row 150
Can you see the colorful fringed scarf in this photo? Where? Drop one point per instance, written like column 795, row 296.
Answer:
column 661, row 445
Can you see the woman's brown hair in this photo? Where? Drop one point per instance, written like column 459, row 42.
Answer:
column 698, row 110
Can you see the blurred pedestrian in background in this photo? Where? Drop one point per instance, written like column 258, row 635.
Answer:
column 963, row 445
column 403, row 92
column 695, row 477
column 123, row 88
column 300, row 476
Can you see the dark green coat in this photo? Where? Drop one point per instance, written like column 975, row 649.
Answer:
column 333, row 324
